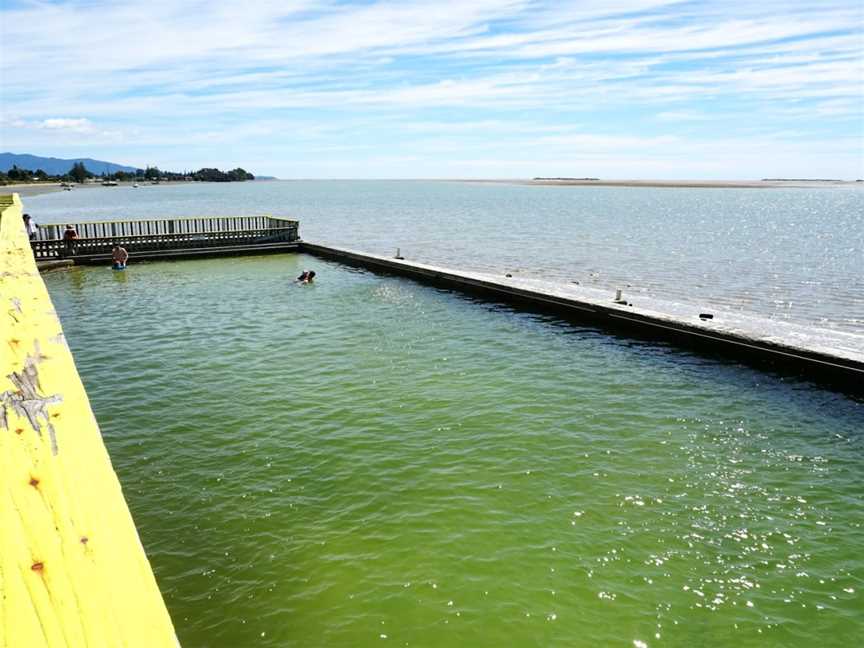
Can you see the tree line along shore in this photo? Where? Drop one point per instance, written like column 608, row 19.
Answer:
column 80, row 174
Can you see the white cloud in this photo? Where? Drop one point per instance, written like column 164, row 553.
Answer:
column 78, row 125
column 682, row 115
column 325, row 72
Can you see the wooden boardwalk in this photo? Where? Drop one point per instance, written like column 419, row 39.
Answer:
column 72, row 569
column 167, row 238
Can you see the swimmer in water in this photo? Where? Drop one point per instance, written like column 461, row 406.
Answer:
column 119, row 257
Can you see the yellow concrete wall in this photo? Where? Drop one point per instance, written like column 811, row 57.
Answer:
column 72, row 569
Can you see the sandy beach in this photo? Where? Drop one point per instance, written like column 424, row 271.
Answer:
column 35, row 189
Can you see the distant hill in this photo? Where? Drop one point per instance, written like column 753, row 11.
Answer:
column 58, row 166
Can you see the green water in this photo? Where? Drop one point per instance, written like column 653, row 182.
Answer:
column 369, row 461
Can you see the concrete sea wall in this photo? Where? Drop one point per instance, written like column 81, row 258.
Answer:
column 829, row 356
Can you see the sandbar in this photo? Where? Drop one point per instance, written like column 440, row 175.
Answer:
column 683, row 184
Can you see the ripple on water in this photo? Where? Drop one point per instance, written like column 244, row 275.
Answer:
column 788, row 254
column 374, row 457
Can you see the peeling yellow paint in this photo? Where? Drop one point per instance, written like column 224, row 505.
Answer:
column 72, row 569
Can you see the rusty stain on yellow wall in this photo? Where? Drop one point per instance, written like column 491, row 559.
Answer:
column 72, row 569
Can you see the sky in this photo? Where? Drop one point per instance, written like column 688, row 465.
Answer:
column 434, row 89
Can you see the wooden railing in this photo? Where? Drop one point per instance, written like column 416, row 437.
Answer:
column 98, row 238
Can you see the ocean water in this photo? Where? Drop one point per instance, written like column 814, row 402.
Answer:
column 791, row 254
column 368, row 461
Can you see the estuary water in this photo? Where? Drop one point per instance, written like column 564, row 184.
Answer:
column 368, row 461
column 792, row 254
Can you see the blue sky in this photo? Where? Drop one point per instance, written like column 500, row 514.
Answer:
column 478, row 88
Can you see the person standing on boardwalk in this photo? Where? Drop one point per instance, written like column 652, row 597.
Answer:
column 70, row 235
column 119, row 256
column 31, row 227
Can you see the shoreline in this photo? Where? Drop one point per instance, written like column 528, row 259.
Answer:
column 36, row 189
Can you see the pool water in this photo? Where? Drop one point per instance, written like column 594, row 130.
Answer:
column 367, row 461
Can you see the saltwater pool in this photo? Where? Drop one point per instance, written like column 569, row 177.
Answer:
column 370, row 461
